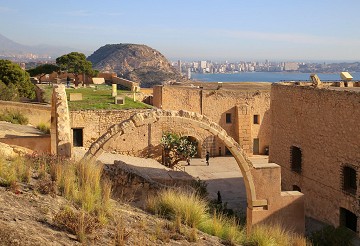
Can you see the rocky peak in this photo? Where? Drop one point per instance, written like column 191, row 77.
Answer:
column 136, row 62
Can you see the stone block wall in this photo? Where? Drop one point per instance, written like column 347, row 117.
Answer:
column 34, row 112
column 131, row 85
column 323, row 123
column 216, row 104
column 143, row 141
column 96, row 122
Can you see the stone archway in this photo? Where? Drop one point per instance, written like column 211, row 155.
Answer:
column 265, row 201
column 195, row 119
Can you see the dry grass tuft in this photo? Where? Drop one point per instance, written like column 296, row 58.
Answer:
column 174, row 204
column 121, row 234
column 79, row 223
column 268, row 235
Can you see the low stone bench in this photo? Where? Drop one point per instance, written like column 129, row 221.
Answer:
column 76, row 97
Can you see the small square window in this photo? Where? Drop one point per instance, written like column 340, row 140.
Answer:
column 296, row 188
column 228, row 118
column 256, row 119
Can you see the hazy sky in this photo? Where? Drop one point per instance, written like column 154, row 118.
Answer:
column 193, row 29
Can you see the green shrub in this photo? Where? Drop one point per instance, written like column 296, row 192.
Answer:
column 331, row 236
column 13, row 171
column 200, row 187
column 273, row 235
column 14, row 117
column 45, row 128
column 223, row 227
column 179, row 203
column 8, row 93
column 188, row 208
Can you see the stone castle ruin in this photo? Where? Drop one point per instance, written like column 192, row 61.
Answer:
column 265, row 200
column 308, row 129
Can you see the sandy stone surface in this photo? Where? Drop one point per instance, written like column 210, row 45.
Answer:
column 7, row 129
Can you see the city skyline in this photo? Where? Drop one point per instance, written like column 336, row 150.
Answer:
column 207, row 30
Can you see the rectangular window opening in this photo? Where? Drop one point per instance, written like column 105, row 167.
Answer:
column 349, row 180
column 296, row 159
column 256, row 119
column 78, row 137
column 348, row 219
column 228, row 118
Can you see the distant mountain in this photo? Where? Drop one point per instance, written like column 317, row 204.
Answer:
column 135, row 62
column 11, row 48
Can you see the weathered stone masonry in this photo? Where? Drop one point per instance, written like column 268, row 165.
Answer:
column 324, row 125
column 266, row 202
column 234, row 110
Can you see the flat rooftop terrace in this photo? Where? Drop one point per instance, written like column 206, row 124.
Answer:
column 353, row 86
column 243, row 86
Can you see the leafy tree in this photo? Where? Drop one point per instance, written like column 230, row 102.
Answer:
column 16, row 80
column 177, row 148
column 8, row 93
column 42, row 70
column 76, row 64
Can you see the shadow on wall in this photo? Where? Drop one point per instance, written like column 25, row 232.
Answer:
column 290, row 217
column 264, row 133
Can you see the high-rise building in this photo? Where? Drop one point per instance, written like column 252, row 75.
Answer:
column 291, row 66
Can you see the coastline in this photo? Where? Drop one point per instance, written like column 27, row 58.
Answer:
column 266, row 76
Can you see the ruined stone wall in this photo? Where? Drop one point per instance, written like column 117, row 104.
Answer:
column 40, row 144
column 34, row 112
column 131, row 85
column 323, row 123
column 143, row 141
column 97, row 122
column 216, row 104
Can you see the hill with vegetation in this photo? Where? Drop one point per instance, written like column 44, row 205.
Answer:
column 135, row 62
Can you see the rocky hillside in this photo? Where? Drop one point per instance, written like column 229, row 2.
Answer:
column 139, row 63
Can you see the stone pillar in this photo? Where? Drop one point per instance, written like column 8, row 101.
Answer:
column 243, row 128
column 114, row 90
column 61, row 143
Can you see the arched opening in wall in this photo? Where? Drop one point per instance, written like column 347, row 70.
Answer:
column 196, row 143
column 209, row 144
column 223, row 175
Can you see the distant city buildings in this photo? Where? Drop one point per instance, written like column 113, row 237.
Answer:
column 291, row 66
column 267, row 66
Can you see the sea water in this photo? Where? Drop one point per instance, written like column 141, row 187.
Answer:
column 265, row 77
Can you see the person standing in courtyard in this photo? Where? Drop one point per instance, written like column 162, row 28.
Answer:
column 207, row 157
column 67, row 81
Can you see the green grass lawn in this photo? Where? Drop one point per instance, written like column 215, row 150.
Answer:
column 97, row 98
